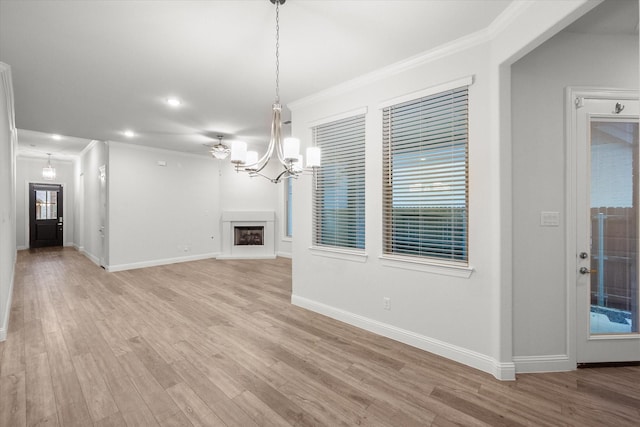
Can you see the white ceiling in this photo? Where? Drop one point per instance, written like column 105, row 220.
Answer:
column 91, row 69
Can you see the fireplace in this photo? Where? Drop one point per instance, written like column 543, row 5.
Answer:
column 248, row 235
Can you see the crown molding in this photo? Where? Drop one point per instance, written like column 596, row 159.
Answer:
column 88, row 148
column 39, row 155
column 7, row 84
column 508, row 16
column 502, row 21
column 158, row 150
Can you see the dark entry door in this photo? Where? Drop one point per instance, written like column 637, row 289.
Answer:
column 45, row 215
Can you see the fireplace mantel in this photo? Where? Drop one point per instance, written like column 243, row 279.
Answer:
column 232, row 219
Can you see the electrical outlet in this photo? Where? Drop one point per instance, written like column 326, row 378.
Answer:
column 386, row 303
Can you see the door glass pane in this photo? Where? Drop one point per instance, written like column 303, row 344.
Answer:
column 614, row 226
column 46, row 204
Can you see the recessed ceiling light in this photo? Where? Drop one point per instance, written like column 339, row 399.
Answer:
column 129, row 133
column 174, row 102
column 56, row 137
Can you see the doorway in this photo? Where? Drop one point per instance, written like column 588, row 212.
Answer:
column 46, row 227
column 606, row 186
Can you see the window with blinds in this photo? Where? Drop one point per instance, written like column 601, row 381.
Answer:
column 425, row 188
column 338, row 197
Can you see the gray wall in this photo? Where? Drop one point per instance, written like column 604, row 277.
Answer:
column 538, row 84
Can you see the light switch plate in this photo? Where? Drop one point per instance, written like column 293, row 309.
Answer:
column 549, row 219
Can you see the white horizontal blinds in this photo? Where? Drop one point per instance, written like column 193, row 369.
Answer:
column 425, row 188
column 338, row 198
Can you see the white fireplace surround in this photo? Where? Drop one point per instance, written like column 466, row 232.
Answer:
column 232, row 219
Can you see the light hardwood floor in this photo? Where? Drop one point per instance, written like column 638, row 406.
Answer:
column 205, row 343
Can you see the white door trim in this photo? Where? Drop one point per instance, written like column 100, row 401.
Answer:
column 571, row 154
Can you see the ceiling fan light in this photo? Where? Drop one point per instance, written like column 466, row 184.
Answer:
column 220, row 151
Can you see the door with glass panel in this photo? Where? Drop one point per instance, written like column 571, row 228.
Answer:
column 45, row 215
column 607, row 189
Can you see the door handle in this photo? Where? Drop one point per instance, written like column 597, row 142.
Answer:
column 585, row 270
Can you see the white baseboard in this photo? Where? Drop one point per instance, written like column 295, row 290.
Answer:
column 94, row 259
column 157, row 262
column 22, row 248
column 547, row 363
column 245, row 257
column 284, row 254
column 502, row 371
column 4, row 326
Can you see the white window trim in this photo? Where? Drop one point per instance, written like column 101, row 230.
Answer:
column 336, row 117
column 343, row 254
column 427, row 266
column 358, row 255
column 454, row 84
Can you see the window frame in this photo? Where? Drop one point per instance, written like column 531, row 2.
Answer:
column 447, row 266
column 349, row 253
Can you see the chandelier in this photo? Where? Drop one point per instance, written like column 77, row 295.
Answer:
column 287, row 149
column 220, row 151
column 49, row 172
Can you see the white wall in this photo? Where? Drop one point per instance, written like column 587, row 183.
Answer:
column 8, row 143
column 466, row 319
column 161, row 214
column 238, row 191
column 29, row 170
column 87, row 183
column 439, row 312
column 538, row 83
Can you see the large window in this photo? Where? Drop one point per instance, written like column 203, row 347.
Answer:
column 338, row 197
column 425, row 187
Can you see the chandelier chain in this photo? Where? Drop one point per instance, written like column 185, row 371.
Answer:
column 277, row 51
column 285, row 150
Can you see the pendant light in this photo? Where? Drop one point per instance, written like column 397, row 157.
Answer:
column 286, row 149
column 49, row 172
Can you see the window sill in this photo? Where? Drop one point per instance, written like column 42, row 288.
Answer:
column 343, row 254
column 287, row 239
column 443, row 268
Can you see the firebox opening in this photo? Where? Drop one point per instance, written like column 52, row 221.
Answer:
column 249, row 235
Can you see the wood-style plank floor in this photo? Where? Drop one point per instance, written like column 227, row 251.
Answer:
column 217, row 343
